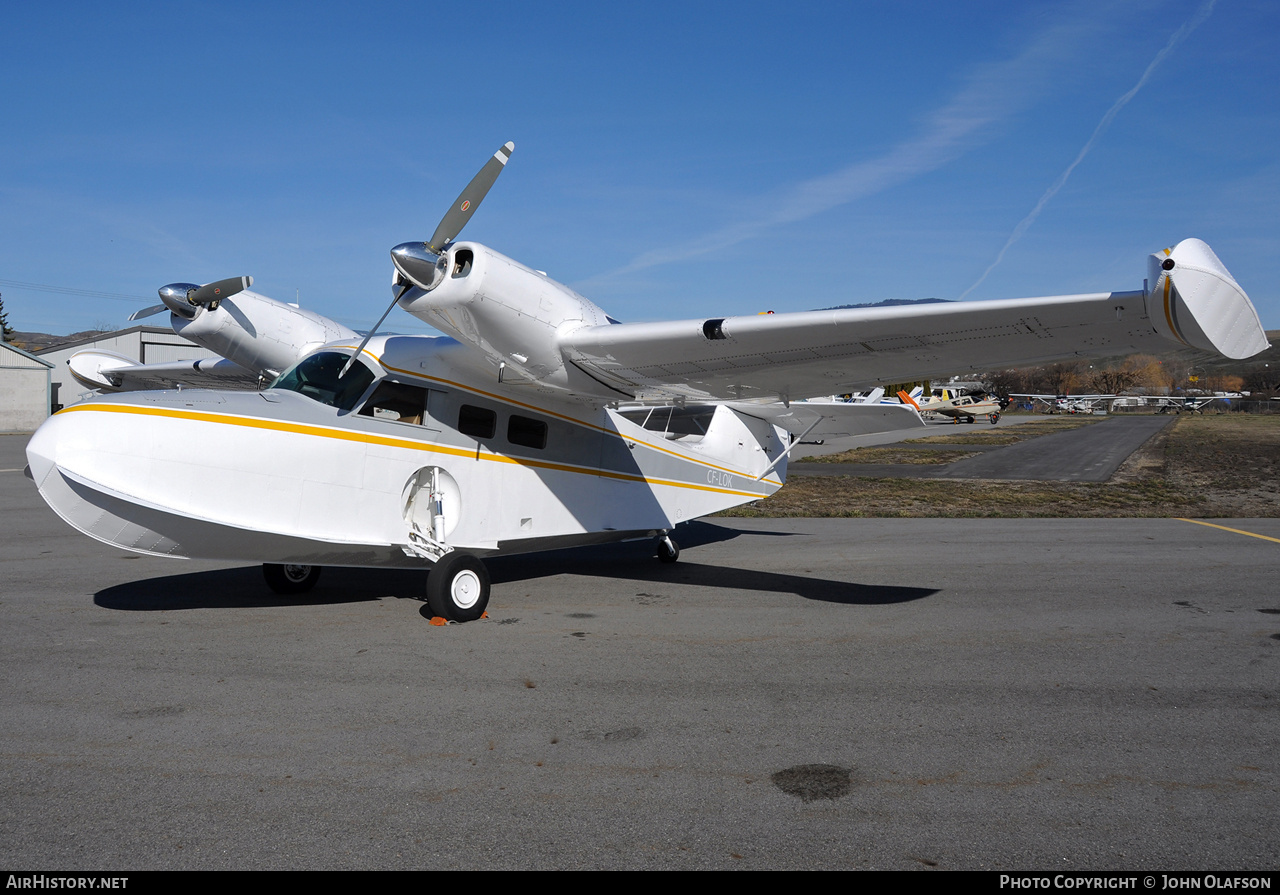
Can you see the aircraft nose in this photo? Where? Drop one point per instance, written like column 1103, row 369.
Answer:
column 42, row 451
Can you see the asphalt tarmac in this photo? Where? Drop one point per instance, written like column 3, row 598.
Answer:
column 915, row 694
column 1088, row 454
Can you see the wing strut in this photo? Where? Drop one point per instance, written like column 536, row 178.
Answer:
column 787, row 452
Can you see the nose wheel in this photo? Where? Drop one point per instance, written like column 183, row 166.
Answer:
column 458, row 587
column 668, row 550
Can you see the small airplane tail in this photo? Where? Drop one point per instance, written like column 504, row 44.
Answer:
column 908, row 399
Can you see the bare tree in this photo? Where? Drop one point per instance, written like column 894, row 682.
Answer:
column 1062, row 378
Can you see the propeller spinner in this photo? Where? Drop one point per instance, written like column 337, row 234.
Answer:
column 419, row 263
column 184, row 299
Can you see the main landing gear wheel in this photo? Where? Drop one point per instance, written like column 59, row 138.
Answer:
column 668, row 550
column 458, row 587
column 290, row 579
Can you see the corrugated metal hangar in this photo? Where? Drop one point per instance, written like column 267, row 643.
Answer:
column 24, row 389
column 34, row 385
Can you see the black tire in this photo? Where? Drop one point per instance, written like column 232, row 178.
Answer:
column 668, row 550
column 995, row 418
column 458, row 587
column 291, row 579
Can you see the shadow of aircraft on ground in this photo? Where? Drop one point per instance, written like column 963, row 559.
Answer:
column 243, row 588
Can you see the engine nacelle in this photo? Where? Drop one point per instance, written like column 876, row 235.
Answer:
column 259, row 333
column 512, row 313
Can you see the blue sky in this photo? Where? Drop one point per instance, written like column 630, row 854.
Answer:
column 672, row 160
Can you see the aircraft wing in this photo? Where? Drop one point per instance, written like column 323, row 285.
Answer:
column 798, row 355
column 108, row 371
column 1047, row 397
column 829, row 352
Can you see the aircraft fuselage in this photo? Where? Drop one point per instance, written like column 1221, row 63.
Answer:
column 281, row 477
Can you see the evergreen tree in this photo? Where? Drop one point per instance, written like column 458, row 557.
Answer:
column 4, row 321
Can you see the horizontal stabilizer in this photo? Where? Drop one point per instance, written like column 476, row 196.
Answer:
column 834, row 419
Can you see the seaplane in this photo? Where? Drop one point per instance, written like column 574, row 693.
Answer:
column 536, row 421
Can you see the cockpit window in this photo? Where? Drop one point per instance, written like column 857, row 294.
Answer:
column 317, row 378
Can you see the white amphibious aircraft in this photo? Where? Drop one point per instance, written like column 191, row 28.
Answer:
column 541, row 423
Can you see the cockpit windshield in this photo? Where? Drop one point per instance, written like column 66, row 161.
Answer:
column 317, row 378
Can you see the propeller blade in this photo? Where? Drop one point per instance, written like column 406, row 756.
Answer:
column 399, row 295
column 211, row 292
column 469, row 200
column 147, row 312
column 416, row 262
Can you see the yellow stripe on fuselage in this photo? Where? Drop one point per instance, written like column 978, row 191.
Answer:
column 560, row 416
column 250, row 422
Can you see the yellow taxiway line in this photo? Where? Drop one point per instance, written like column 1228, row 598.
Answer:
column 1232, row 530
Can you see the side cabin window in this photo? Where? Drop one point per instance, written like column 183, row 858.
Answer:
column 478, row 422
column 527, row 432
column 674, row 422
column 397, row 402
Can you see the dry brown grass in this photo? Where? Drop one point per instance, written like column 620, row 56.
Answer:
column 1046, row 425
column 903, row 452
column 1215, row 465
column 914, row 456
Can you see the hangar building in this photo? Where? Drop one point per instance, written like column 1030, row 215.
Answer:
column 145, row 344
column 25, row 388
column 33, row 385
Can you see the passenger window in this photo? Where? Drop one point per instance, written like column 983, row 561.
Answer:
column 477, row 421
column 527, row 432
column 397, row 402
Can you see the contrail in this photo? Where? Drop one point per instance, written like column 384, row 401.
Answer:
column 1025, row 224
column 989, row 95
